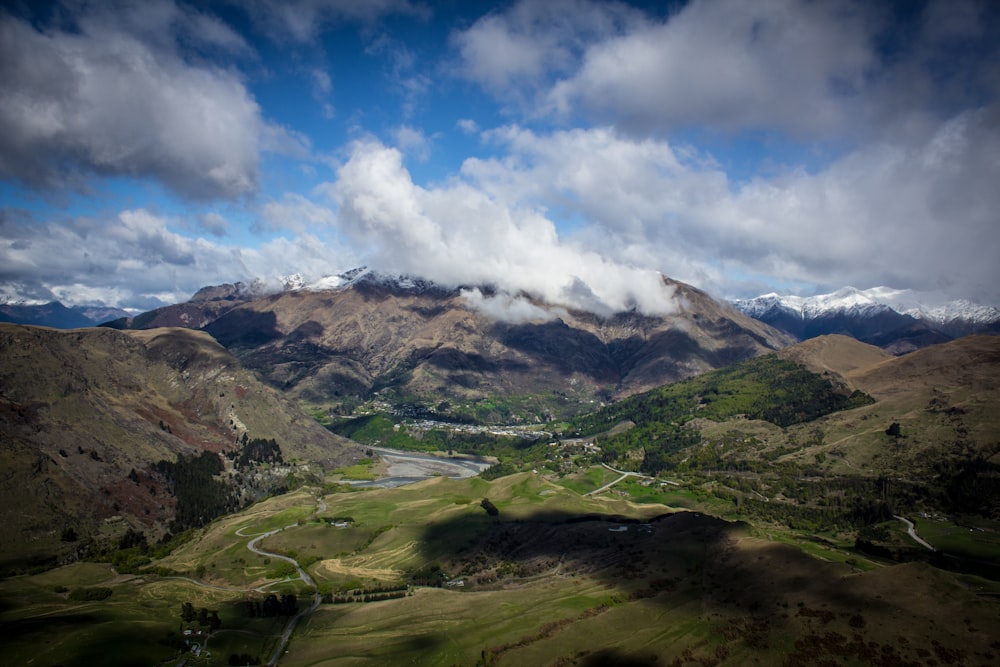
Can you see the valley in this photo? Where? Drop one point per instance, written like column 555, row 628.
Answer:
column 522, row 333
column 818, row 503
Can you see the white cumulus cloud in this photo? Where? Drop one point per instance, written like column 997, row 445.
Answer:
column 458, row 234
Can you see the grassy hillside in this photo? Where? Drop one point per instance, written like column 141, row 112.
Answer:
column 97, row 428
column 766, row 388
column 553, row 578
column 805, row 452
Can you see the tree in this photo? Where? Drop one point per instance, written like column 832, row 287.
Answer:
column 187, row 612
column 271, row 606
column 490, row 508
column 893, row 430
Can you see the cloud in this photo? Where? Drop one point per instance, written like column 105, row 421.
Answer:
column 915, row 214
column 322, row 86
column 401, row 71
column 214, row 224
column 507, row 308
column 296, row 213
column 467, row 125
column 413, row 142
column 514, row 53
column 134, row 259
column 919, row 215
column 789, row 64
column 115, row 96
column 457, row 234
column 826, row 71
column 902, row 108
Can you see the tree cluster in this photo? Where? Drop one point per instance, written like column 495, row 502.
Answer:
column 375, row 594
column 272, row 605
column 254, row 451
column 200, row 496
column 203, row 616
column 93, row 594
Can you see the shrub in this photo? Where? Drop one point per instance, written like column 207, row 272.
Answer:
column 95, row 594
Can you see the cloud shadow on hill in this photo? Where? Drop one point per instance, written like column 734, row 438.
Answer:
column 683, row 551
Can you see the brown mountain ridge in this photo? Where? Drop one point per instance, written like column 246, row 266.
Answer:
column 86, row 414
column 427, row 343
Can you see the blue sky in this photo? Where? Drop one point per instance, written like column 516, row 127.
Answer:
column 568, row 149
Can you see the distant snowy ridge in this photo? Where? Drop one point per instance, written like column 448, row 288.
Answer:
column 851, row 301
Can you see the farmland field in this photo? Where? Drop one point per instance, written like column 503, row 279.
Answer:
column 424, row 574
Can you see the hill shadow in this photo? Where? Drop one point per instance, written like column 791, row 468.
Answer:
column 244, row 328
column 748, row 595
column 559, row 346
column 683, row 553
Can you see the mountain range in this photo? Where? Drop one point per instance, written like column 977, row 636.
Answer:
column 898, row 321
column 363, row 333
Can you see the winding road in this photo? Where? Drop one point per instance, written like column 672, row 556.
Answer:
column 912, row 532
column 624, row 474
column 303, row 575
column 405, row 468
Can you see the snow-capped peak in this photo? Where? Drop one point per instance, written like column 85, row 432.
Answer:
column 920, row 305
column 350, row 278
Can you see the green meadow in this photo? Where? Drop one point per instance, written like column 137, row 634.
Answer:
column 555, row 577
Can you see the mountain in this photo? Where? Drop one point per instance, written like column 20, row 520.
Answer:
column 411, row 340
column 58, row 316
column 899, row 321
column 98, row 427
column 205, row 306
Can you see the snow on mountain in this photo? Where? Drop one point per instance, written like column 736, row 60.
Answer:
column 353, row 277
column 293, row 282
column 925, row 306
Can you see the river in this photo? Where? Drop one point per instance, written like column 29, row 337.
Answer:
column 410, row 467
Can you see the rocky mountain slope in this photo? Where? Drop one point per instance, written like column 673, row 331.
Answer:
column 426, row 343
column 208, row 304
column 86, row 415
column 899, row 321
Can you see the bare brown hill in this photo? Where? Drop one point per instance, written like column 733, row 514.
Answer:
column 971, row 363
column 428, row 343
column 936, row 409
column 84, row 415
column 835, row 354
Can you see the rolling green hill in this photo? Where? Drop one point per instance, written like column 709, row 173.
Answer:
column 765, row 388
